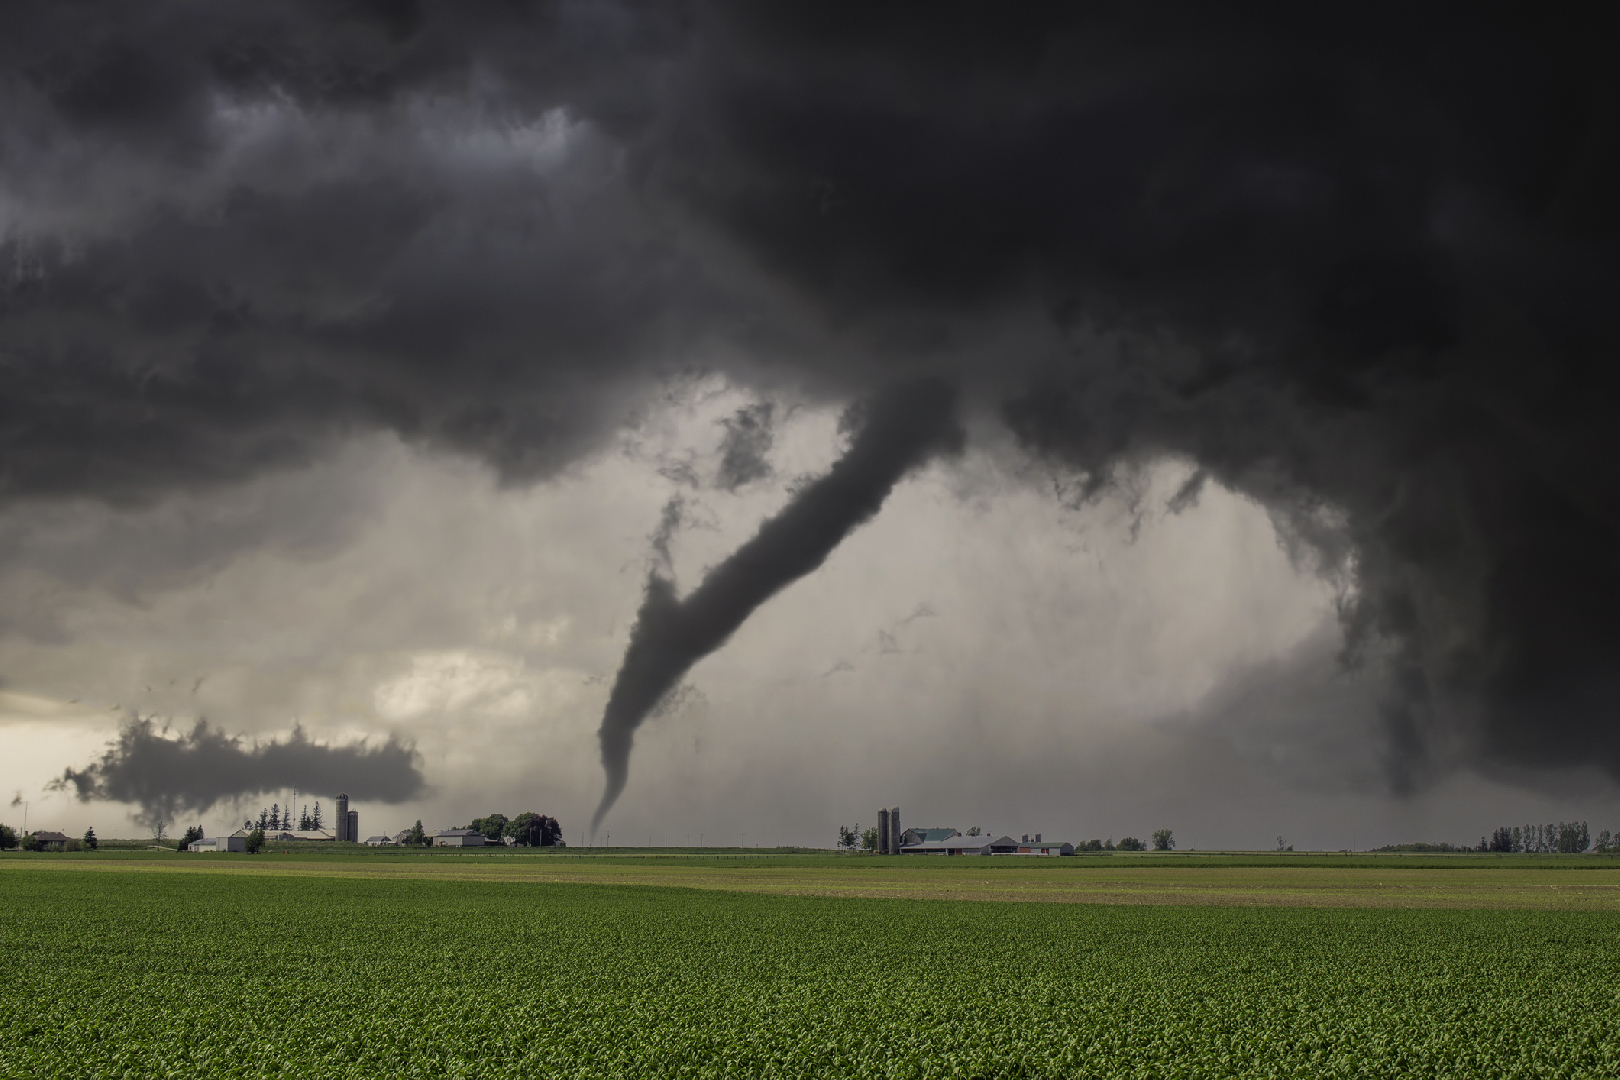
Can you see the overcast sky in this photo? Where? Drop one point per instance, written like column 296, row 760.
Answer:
column 1124, row 421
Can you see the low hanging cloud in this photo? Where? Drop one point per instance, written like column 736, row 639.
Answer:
column 189, row 773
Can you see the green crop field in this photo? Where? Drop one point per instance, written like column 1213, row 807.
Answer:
column 177, row 974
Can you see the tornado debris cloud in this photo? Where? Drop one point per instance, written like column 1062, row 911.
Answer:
column 896, row 431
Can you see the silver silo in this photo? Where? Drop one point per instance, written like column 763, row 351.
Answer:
column 883, row 832
column 341, row 818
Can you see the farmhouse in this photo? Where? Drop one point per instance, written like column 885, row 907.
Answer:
column 378, row 841
column 52, row 841
column 459, row 838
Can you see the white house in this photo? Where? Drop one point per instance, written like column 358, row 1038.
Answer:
column 378, row 841
column 459, row 838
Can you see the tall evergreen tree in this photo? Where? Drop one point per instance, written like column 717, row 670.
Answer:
column 315, row 818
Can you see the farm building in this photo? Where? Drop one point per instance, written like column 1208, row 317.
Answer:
column 924, row 836
column 984, row 845
column 234, row 842
column 378, row 841
column 52, row 841
column 459, row 838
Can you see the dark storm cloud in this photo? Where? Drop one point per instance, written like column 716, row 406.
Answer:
column 189, row 773
column 1360, row 268
column 744, row 450
column 895, row 432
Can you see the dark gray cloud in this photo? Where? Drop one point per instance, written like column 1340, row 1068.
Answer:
column 1360, row 268
column 188, row 773
column 745, row 450
column 893, row 433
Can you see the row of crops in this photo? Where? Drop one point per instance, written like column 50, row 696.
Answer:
column 162, row 975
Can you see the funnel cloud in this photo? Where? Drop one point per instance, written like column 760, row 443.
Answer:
column 895, row 432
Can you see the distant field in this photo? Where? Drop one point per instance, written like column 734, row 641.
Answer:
column 156, row 973
column 1581, row 882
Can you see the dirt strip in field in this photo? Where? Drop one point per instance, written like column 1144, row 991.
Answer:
column 965, row 879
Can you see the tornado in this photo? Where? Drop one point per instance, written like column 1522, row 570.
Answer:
column 896, row 431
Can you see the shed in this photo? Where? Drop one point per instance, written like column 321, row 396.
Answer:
column 955, row 845
column 234, row 842
column 459, row 838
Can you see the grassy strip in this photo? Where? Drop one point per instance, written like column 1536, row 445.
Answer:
column 1028, row 880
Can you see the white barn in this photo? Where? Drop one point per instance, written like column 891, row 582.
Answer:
column 236, row 842
column 459, row 838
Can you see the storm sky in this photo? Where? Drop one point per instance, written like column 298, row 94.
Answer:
column 367, row 369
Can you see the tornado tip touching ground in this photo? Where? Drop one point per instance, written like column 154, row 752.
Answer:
column 895, row 431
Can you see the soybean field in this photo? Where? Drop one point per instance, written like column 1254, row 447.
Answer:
column 163, row 974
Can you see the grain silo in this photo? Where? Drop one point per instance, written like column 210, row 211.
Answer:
column 342, row 818
column 895, row 834
column 883, row 832
column 354, row 826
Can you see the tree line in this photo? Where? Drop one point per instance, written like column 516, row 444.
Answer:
column 274, row 819
column 1566, row 837
column 526, row 830
column 853, row 837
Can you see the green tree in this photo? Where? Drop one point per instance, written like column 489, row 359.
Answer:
column 869, row 839
column 492, row 827
column 1131, row 843
column 32, row 843
column 849, row 836
column 533, row 830
column 255, row 841
column 159, row 829
column 418, row 836
column 193, row 833
column 315, row 817
column 1164, row 840
column 8, row 838
column 974, row 831
column 90, row 841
